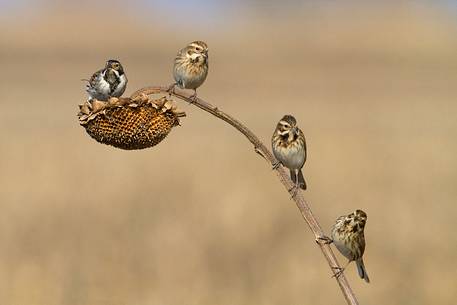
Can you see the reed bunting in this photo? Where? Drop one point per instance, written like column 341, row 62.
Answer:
column 349, row 239
column 289, row 147
column 108, row 82
column 191, row 66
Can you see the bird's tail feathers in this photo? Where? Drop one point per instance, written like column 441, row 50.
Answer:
column 362, row 270
column 301, row 180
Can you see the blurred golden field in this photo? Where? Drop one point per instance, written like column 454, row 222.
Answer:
column 201, row 219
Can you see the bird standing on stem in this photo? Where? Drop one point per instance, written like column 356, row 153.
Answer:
column 289, row 147
column 348, row 237
column 191, row 67
column 108, row 82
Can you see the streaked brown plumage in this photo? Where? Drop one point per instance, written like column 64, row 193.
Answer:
column 348, row 237
column 191, row 66
column 289, row 147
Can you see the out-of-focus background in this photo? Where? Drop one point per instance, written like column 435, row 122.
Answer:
column 201, row 219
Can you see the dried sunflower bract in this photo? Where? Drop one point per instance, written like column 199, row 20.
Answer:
column 129, row 123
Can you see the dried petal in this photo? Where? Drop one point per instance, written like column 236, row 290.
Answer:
column 98, row 105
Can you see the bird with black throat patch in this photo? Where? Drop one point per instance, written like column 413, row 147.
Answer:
column 110, row 81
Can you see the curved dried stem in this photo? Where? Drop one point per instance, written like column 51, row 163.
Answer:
column 281, row 172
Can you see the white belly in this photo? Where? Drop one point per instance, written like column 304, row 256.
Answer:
column 121, row 87
column 189, row 79
column 292, row 158
column 343, row 249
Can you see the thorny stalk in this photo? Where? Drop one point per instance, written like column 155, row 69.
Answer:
column 281, row 172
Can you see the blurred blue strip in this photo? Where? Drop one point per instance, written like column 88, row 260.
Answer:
column 193, row 10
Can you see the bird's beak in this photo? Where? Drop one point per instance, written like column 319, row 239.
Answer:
column 194, row 56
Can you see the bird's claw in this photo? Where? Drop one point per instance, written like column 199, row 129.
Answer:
column 193, row 98
column 294, row 190
column 275, row 165
column 171, row 89
column 324, row 240
column 338, row 273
